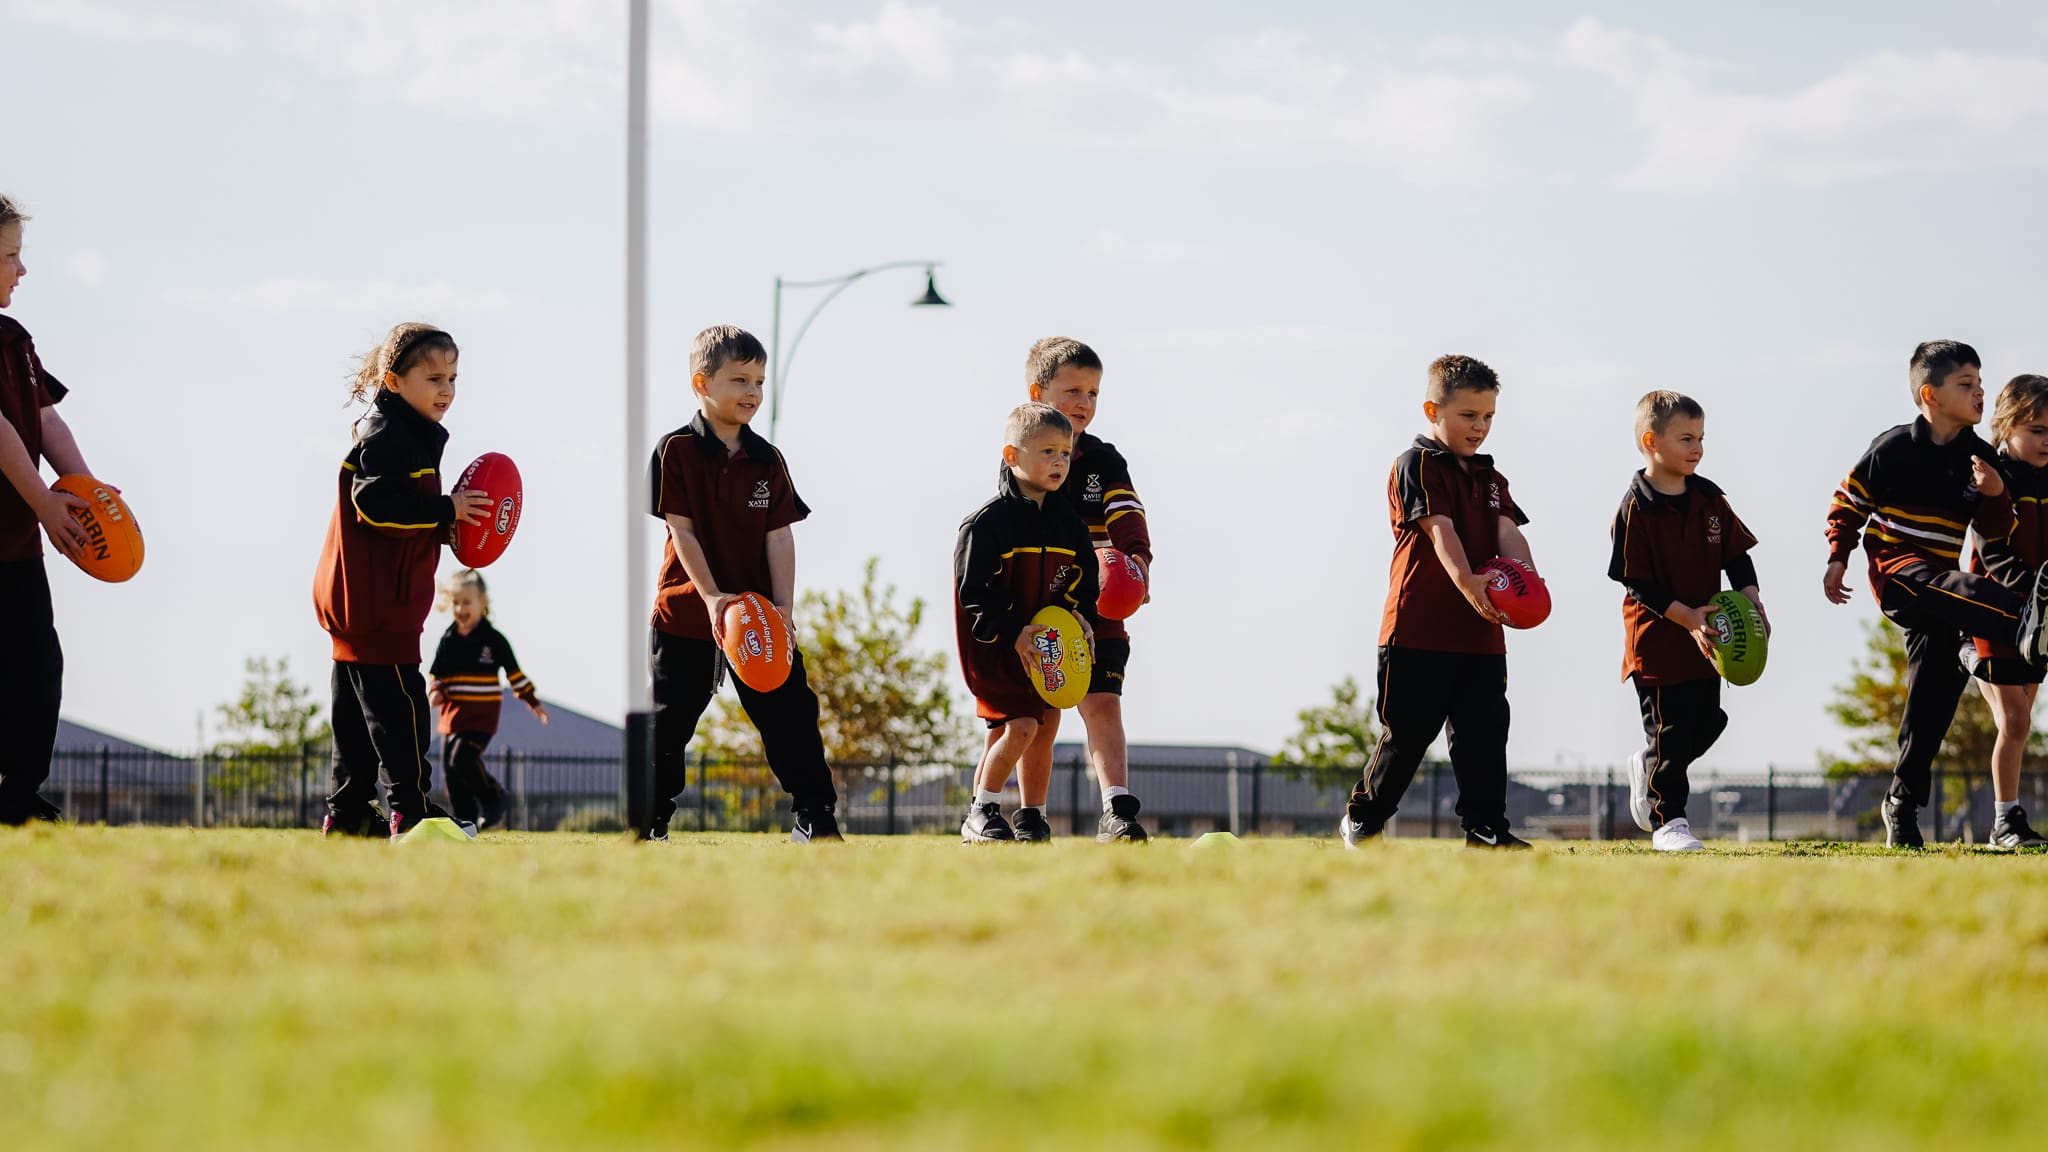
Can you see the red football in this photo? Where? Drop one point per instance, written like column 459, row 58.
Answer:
column 757, row 642
column 494, row 474
column 1123, row 584
column 1517, row 592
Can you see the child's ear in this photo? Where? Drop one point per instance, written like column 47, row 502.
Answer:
column 390, row 381
column 1037, row 394
column 1649, row 441
column 700, row 384
column 1429, row 411
column 1010, row 455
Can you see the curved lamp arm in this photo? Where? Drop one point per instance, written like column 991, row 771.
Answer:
column 779, row 369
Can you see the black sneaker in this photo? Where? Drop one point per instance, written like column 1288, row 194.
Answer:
column 1032, row 827
column 1120, row 821
column 658, row 832
column 34, row 810
column 2012, row 831
column 1495, row 837
column 493, row 810
column 985, row 824
column 369, row 823
column 1353, row 831
column 1901, row 823
column 814, row 826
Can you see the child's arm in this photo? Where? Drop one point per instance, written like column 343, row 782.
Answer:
column 52, row 508
column 1513, row 544
column 1451, row 552
column 387, row 495
column 1994, row 518
column 521, row 686
column 691, row 553
column 977, row 572
column 1852, row 506
column 782, row 570
column 60, row 447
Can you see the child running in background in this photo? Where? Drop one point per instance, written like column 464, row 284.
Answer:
column 466, row 692
column 375, row 583
column 2019, row 430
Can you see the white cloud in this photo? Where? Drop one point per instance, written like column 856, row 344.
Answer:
column 1881, row 114
column 89, row 269
column 762, row 68
column 379, row 297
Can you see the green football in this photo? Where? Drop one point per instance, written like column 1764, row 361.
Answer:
column 1740, row 652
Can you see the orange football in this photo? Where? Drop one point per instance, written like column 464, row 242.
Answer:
column 113, row 549
column 757, row 642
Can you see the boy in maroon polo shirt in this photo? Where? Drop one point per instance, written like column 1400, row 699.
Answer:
column 1017, row 554
column 31, row 660
column 1443, row 659
column 728, row 501
column 1673, row 537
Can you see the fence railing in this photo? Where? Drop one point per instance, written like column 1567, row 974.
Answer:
column 545, row 792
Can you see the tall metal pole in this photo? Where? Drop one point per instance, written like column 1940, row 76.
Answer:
column 636, row 786
column 775, row 354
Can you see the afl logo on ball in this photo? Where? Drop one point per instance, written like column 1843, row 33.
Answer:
column 754, row 642
column 505, row 509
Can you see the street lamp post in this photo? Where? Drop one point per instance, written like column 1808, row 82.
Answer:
column 778, row 361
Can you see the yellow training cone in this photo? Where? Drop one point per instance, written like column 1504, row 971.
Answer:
column 440, row 829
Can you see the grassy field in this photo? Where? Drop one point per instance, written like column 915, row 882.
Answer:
column 171, row 988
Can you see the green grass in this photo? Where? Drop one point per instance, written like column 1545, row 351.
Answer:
column 180, row 989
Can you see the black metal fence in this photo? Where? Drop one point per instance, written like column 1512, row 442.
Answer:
column 115, row 786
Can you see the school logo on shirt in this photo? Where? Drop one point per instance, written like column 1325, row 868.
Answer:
column 484, row 657
column 1062, row 579
column 1493, row 495
column 1092, row 491
column 1713, row 529
column 760, row 497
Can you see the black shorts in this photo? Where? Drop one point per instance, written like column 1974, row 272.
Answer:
column 2007, row 670
column 999, row 721
column 1108, row 676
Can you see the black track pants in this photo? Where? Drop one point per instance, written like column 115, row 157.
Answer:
column 470, row 784
column 1419, row 693
column 31, row 685
column 1937, row 608
column 381, row 727
column 686, row 675
column 1680, row 722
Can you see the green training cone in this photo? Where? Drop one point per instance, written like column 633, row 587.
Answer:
column 1217, row 840
column 438, row 830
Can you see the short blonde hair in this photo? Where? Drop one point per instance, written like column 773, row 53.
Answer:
column 456, row 581
column 1654, row 412
column 1028, row 420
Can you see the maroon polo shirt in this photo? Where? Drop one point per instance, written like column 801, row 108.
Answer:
column 1678, row 545
column 1425, row 609
column 25, row 390
column 732, row 501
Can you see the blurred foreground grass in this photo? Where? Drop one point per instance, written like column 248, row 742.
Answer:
column 172, row 988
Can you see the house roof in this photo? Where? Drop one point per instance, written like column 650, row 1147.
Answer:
column 76, row 737
column 568, row 732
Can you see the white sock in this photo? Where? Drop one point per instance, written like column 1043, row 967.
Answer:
column 2005, row 808
column 1112, row 793
column 981, row 798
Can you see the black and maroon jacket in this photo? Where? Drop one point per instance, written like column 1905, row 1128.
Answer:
column 465, row 672
column 1099, row 488
column 2014, row 559
column 25, row 390
column 375, row 584
column 1912, row 500
column 1013, row 558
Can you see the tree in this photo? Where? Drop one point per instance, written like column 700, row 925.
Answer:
column 1335, row 740
column 266, row 727
column 1870, row 702
column 881, row 697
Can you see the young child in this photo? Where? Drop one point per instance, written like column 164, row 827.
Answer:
column 465, row 691
column 31, row 660
column 1674, row 536
column 1017, row 554
column 2019, row 425
column 1443, row 657
column 1910, row 497
column 375, row 583
column 1067, row 374
column 728, row 501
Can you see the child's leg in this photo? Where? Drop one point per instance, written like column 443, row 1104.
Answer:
column 685, row 674
column 1478, row 716
column 393, row 698
column 1011, row 741
column 1680, row 721
column 1934, row 676
column 31, row 687
column 787, row 719
column 1034, row 776
column 462, row 770
column 2012, row 707
column 354, row 793
column 1414, row 700
column 1102, row 711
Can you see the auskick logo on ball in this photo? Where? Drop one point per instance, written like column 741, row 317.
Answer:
column 1051, row 653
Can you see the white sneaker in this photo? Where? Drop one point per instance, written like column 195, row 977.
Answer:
column 1676, row 837
column 1639, row 790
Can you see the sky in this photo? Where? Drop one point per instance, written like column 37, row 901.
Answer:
column 1267, row 219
